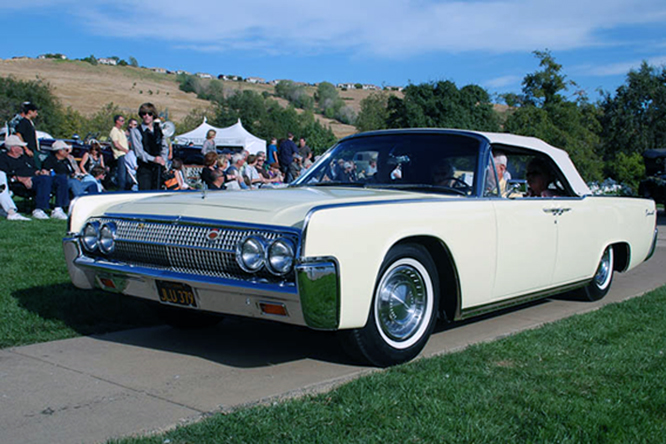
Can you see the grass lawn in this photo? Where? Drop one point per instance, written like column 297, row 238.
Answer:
column 593, row 378
column 38, row 303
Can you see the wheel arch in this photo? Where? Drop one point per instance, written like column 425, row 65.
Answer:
column 449, row 282
column 622, row 253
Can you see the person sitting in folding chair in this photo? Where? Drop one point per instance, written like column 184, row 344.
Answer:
column 21, row 170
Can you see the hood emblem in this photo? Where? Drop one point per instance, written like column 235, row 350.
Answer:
column 213, row 234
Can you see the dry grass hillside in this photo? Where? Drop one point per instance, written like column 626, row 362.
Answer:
column 86, row 88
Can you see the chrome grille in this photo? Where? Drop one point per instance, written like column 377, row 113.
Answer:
column 186, row 248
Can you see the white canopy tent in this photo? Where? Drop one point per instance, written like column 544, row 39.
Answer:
column 233, row 136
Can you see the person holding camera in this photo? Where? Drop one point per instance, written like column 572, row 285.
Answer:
column 150, row 147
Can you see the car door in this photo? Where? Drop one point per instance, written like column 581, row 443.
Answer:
column 578, row 247
column 526, row 246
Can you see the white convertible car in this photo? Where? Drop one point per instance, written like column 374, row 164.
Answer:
column 386, row 234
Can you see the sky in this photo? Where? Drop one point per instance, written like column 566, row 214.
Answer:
column 383, row 42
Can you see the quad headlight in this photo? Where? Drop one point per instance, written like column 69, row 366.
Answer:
column 107, row 238
column 90, row 236
column 250, row 253
column 280, row 257
column 253, row 252
column 96, row 237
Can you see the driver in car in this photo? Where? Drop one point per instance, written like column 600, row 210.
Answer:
column 443, row 174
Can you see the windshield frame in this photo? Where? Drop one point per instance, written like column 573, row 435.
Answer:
column 479, row 170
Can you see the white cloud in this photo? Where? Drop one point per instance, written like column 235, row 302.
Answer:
column 503, row 82
column 622, row 68
column 383, row 28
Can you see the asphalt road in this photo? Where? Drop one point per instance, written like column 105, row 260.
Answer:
column 91, row 389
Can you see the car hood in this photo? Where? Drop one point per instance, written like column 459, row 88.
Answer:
column 284, row 207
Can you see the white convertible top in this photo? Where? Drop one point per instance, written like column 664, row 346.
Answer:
column 560, row 156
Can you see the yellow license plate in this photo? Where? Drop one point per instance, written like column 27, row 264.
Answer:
column 176, row 293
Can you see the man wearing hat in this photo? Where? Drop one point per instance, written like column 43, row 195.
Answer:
column 62, row 163
column 21, row 168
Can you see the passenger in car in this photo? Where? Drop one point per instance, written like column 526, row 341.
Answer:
column 539, row 177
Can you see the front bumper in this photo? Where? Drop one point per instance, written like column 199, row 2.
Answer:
column 314, row 301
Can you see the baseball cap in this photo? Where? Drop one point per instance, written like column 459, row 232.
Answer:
column 60, row 145
column 14, row 140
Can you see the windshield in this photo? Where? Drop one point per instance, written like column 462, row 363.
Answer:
column 424, row 162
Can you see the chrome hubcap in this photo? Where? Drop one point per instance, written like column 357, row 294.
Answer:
column 604, row 271
column 401, row 302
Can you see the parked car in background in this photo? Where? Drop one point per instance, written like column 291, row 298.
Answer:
column 654, row 186
column 436, row 232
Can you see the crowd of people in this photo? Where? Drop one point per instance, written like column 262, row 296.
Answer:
column 143, row 161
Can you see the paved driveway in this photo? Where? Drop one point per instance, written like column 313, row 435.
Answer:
column 91, row 389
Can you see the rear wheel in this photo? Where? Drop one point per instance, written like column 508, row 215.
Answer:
column 403, row 311
column 603, row 278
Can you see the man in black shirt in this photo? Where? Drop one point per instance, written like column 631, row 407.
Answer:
column 21, row 168
column 27, row 132
column 61, row 163
column 286, row 152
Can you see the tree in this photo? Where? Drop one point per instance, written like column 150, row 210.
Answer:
column 90, row 59
column 634, row 120
column 295, row 94
column 133, row 62
column 194, row 119
column 544, row 112
column 442, row 105
column 14, row 92
column 542, row 88
column 374, row 112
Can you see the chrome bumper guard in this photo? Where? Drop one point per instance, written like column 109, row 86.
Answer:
column 319, row 289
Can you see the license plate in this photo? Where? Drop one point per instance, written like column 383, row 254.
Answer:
column 176, row 293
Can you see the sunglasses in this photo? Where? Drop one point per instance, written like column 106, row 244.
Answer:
column 146, row 114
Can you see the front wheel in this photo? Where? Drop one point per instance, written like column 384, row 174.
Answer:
column 403, row 311
column 603, row 278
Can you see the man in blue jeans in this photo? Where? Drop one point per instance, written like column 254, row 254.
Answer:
column 21, row 168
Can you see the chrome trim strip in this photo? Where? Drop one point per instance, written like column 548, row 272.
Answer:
column 318, row 285
column 186, row 220
column 152, row 273
column 170, row 245
column 496, row 306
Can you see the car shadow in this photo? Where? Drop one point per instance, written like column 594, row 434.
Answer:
column 237, row 342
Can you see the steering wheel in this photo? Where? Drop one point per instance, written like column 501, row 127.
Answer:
column 455, row 183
